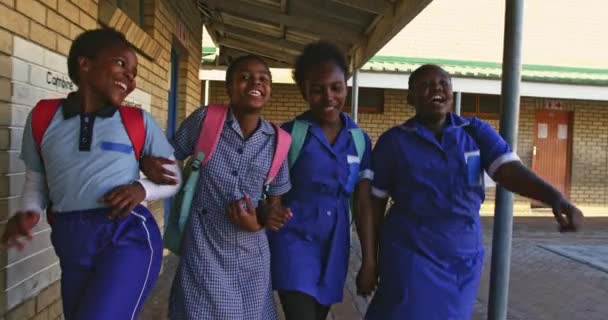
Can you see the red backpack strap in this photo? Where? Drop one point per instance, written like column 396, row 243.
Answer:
column 42, row 114
column 133, row 120
column 211, row 130
column 280, row 153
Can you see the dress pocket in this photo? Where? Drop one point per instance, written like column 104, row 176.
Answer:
column 252, row 181
column 353, row 172
column 474, row 174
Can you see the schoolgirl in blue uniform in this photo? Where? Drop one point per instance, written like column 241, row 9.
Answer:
column 431, row 166
column 108, row 245
column 310, row 252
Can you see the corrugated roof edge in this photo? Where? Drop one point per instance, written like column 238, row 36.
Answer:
column 587, row 76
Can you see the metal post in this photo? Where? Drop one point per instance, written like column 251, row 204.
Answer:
column 206, row 93
column 458, row 102
column 355, row 96
column 503, row 214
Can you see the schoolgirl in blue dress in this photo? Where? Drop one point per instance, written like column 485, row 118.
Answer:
column 224, row 267
column 431, row 167
column 310, row 252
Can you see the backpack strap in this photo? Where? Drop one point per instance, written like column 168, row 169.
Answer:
column 211, row 131
column 42, row 114
column 359, row 140
column 298, row 136
column 133, row 121
column 282, row 148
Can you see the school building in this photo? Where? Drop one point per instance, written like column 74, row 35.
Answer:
column 35, row 37
column 563, row 119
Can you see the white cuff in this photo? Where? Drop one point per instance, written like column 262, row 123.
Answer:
column 507, row 157
column 155, row 191
column 379, row 193
column 34, row 196
column 366, row 174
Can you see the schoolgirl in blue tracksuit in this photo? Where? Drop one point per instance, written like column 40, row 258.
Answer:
column 108, row 245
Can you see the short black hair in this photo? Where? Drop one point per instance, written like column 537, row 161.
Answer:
column 236, row 62
column 89, row 44
column 421, row 70
column 315, row 54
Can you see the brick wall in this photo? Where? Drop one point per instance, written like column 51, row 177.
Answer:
column 35, row 36
column 287, row 102
column 590, row 134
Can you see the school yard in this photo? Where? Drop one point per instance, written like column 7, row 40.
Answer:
column 567, row 285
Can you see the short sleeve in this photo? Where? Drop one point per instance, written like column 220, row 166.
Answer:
column 156, row 143
column 281, row 183
column 495, row 151
column 383, row 165
column 29, row 149
column 365, row 170
column 186, row 136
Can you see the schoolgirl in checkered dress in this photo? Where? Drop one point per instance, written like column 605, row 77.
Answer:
column 224, row 271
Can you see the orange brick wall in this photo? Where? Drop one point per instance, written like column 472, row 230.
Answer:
column 590, row 133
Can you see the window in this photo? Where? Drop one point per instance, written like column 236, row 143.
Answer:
column 371, row 100
column 480, row 105
column 133, row 8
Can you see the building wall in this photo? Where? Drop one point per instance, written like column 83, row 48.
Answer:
column 589, row 169
column 474, row 30
column 35, row 37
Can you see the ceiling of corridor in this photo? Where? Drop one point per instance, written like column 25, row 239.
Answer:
column 279, row 29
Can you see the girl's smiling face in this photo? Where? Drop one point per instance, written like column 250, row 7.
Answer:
column 325, row 91
column 251, row 85
column 431, row 94
column 111, row 74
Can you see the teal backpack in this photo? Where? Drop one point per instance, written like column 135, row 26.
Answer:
column 298, row 137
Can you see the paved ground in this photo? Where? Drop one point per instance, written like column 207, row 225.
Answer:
column 543, row 285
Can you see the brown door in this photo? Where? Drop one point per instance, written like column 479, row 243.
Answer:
column 552, row 148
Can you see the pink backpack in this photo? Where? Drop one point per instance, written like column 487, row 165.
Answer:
column 209, row 136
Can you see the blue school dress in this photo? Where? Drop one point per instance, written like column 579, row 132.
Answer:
column 224, row 272
column 310, row 253
column 431, row 250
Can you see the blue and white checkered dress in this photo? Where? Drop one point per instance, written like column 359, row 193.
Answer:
column 224, row 272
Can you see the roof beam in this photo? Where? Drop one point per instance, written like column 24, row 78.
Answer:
column 264, row 40
column 255, row 49
column 256, row 12
column 372, row 6
column 394, row 20
column 229, row 53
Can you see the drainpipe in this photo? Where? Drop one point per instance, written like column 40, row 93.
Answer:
column 503, row 214
column 206, row 93
column 355, row 96
column 457, row 102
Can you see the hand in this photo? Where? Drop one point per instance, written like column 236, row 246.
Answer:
column 367, row 279
column 122, row 200
column 20, row 225
column 568, row 216
column 276, row 216
column 242, row 213
column 153, row 168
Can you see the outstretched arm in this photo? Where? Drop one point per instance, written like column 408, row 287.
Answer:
column 517, row 178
